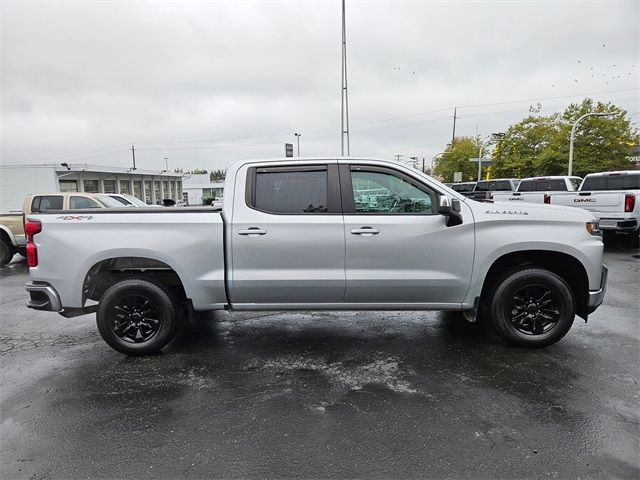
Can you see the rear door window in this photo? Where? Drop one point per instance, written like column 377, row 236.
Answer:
column 42, row 203
column 290, row 190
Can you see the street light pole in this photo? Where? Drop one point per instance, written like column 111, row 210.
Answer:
column 298, row 135
column 573, row 134
column 496, row 137
column 433, row 161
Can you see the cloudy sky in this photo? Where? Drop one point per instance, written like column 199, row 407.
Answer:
column 205, row 83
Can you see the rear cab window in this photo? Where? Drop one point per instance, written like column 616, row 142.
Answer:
column 611, row 182
column 493, row 186
column 42, row 203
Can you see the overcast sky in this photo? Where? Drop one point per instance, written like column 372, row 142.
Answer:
column 206, row 83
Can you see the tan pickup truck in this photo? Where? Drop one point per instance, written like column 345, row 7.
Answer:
column 12, row 238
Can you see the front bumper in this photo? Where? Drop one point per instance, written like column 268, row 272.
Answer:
column 597, row 296
column 43, row 296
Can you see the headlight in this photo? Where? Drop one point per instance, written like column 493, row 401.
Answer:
column 592, row 228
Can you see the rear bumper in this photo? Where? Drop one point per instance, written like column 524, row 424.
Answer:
column 42, row 296
column 597, row 296
column 618, row 224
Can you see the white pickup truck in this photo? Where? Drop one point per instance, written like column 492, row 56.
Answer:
column 309, row 234
column 538, row 189
column 612, row 196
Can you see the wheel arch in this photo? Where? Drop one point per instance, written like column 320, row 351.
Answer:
column 105, row 272
column 566, row 266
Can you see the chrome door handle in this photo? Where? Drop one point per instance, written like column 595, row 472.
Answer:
column 252, row 231
column 365, row 231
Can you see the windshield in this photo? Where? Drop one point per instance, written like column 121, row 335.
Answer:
column 611, row 182
column 136, row 201
column 108, row 202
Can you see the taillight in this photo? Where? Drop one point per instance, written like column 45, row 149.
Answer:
column 30, row 229
column 547, row 198
column 629, row 202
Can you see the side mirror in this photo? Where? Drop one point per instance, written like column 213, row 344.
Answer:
column 450, row 208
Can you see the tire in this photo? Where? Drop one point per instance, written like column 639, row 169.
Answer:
column 532, row 308
column 6, row 252
column 22, row 252
column 137, row 317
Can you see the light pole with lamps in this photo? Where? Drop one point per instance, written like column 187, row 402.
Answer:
column 298, row 135
column 433, row 161
column 573, row 134
column 495, row 137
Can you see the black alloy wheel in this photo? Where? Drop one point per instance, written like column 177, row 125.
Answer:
column 136, row 317
column 532, row 308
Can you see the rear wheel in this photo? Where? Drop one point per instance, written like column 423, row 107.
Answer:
column 6, row 252
column 532, row 308
column 136, row 317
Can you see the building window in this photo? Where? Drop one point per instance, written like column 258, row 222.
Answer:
column 137, row 189
column 109, row 186
column 68, row 185
column 124, row 187
column 91, row 186
column 165, row 189
column 156, row 190
column 147, row 192
column 172, row 189
column 185, row 198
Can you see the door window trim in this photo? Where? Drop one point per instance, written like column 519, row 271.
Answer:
column 346, row 186
column 333, row 187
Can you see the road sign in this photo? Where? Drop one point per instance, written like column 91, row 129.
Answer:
column 288, row 149
column 485, row 161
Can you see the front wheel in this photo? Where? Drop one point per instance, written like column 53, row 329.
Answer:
column 532, row 308
column 136, row 317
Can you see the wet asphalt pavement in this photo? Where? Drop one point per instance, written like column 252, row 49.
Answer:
column 322, row 395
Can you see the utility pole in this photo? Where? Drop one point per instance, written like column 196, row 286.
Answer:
column 453, row 136
column 423, row 165
column 398, row 157
column 345, row 99
column 133, row 153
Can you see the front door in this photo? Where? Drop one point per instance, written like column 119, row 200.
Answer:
column 398, row 248
column 287, row 236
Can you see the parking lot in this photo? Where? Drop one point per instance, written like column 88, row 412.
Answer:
column 322, row 395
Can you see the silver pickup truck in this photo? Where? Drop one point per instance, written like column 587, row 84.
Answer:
column 310, row 234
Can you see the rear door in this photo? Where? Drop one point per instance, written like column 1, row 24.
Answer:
column 287, row 235
column 398, row 249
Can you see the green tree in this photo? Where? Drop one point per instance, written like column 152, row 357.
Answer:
column 456, row 159
column 197, row 171
column 539, row 145
column 217, row 175
column 524, row 146
column 601, row 143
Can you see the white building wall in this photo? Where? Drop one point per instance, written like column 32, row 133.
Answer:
column 18, row 182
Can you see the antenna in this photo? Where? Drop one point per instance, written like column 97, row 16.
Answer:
column 345, row 99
